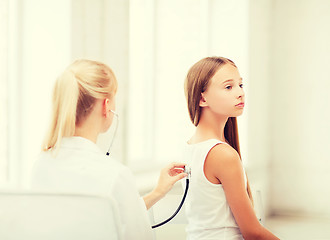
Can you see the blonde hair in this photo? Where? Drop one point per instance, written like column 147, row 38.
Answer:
column 75, row 93
column 196, row 82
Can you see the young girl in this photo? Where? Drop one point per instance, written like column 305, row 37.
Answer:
column 83, row 107
column 219, row 203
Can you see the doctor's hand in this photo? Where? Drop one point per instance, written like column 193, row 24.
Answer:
column 168, row 177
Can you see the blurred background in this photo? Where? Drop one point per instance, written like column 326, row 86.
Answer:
column 281, row 48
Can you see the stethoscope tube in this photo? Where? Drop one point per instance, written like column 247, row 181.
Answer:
column 176, row 212
column 115, row 133
column 187, row 170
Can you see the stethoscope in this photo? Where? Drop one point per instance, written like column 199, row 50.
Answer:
column 186, row 170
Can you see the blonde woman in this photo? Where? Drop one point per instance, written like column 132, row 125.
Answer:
column 219, row 204
column 83, row 107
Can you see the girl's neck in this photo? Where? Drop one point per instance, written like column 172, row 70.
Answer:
column 209, row 127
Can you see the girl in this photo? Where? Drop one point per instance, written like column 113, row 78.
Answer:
column 219, row 203
column 83, row 107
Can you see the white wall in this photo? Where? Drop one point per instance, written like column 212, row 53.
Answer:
column 288, row 95
column 260, row 13
column 299, row 109
column 4, row 19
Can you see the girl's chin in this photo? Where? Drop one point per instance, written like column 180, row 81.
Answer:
column 238, row 113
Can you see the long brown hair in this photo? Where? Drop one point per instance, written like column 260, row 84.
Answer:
column 197, row 81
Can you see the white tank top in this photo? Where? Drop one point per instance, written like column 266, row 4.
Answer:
column 208, row 213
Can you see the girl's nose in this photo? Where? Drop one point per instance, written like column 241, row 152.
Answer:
column 241, row 93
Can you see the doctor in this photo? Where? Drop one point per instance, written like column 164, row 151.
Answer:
column 83, row 107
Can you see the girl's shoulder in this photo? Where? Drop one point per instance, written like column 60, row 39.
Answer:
column 223, row 153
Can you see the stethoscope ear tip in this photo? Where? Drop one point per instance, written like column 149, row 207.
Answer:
column 115, row 113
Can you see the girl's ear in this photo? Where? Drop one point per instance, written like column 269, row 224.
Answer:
column 202, row 101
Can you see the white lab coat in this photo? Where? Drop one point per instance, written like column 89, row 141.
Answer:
column 80, row 167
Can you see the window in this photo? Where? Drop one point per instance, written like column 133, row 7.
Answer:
column 141, row 86
column 158, row 121
column 29, row 65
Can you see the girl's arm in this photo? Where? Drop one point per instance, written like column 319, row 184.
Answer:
column 223, row 165
column 168, row 177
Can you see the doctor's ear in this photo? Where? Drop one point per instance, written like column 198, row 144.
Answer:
column 202, row 101
column 106, row 107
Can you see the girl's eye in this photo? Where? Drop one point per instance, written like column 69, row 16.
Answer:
column 228, row 87
column 241, row 85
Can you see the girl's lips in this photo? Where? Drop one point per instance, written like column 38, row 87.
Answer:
column 240, row 105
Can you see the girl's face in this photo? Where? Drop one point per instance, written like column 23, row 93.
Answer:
column 225, row 95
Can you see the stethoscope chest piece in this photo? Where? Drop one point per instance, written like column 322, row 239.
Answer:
column 187, row 170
